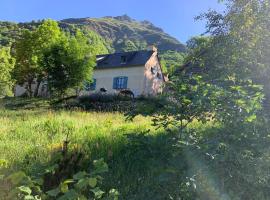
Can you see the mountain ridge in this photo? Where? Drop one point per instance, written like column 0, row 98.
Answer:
column 123, row 28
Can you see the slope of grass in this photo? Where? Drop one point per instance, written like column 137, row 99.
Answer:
column 141, row 159
column 32, row 133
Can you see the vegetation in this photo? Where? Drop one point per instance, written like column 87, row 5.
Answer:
column 114, row 33
column 205, row 137
column 38, row 139
column 122, row 31
column 171, row 61
column 63, row 60
column 29, row 50
column 69, row 63
column 6, row 66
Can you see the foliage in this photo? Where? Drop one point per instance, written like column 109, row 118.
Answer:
column 123, row 31
column 6, row 66
column 171, row 61
column 69, row 63
column 241, row 39
column 110, row 34
column 217, row 84
column 39, row 39
column 96, row 43
column 83, row 185
column 29, row 51
column 213, row 136
column 8, row 33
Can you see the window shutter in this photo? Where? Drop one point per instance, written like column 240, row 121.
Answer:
column 114, row 83
column 125, row 82
column 93, row 84
column 86, row 85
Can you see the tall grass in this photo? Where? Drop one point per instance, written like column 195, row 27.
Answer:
column 140, row 157
column 35, row 133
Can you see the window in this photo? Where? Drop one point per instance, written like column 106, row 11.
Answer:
column 90, row 86
column 120, row 82
column 159, row 75
column 123, row 59
column 153, row 70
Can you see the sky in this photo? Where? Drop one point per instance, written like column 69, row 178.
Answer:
column 175, row 17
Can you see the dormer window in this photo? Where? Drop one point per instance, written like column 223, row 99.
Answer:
column 123, row 59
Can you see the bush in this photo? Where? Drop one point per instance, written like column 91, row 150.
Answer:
column 102, row 98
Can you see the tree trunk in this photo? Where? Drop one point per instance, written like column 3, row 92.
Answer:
column 37, row 88
column 29, row 88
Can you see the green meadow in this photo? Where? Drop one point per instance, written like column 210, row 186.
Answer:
column 136, row 153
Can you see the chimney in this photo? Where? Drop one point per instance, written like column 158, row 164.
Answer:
column 152, row 48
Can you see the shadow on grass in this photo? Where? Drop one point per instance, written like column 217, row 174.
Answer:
column 96, row 103
column 20, row 103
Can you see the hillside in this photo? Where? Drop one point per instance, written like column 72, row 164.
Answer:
column 125, row 32
column 120, row 33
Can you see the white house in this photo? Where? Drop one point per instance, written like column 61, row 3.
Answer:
column 138, row 71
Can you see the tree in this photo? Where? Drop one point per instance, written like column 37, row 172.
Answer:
column 69, row 63
column 172, row 60
column 241, row 39
column 6, row 66
column 97, row 45
column 129, row 46
column 29, row 51
column 221, row 81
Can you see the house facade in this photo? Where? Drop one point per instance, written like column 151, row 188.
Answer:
column 138, row 71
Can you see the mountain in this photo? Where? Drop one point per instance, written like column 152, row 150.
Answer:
column 124, row 32
column 120, row 33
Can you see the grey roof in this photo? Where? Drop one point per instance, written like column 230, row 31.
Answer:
column 134, row 58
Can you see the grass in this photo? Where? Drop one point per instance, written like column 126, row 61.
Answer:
column 38, row 131
column 140, row 158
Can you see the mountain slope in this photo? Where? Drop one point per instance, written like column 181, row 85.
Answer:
column 124, row 32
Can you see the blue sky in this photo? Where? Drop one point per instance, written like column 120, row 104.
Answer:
column 175, row 17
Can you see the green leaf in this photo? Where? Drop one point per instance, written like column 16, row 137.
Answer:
column 25, row 190
column 29, row 197
column 39, row 181
column 251, row 118
column 64, row 187
column 70, row 195
column 113, row 194
column 69, row 181
column 100, row 166
column 51, row 169
column 79, row 175
column 97, row 192
column 54, row 192
column 17, row 177
column 92, row 182
column 82, row 183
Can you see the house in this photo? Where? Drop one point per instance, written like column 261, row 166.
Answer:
column 138, row 72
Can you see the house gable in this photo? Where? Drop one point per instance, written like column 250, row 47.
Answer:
column 154, row 78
